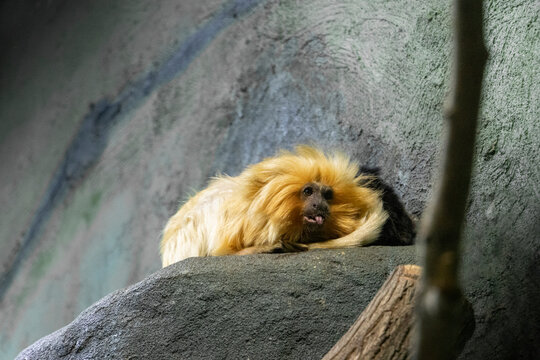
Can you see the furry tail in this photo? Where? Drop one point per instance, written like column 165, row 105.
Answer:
column 365, row 234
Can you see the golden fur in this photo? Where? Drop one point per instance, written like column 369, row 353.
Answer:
column 261, row 209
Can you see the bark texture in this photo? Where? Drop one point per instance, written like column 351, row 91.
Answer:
column 383, row 330
column 443, row 311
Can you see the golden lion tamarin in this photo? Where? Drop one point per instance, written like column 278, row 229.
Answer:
column 290, row 202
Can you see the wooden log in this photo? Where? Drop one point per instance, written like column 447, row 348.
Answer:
column 384, row 329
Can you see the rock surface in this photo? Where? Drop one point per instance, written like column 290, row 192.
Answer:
column 276, row 306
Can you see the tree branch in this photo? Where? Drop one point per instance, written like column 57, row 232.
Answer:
column 383, row 329
column 442, row 310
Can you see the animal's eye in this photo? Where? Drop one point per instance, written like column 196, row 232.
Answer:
column 328, row 194
column 308, row 191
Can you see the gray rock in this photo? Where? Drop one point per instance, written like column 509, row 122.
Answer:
column 275, row 306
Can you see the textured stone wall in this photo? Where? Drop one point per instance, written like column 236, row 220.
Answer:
column 113, row 112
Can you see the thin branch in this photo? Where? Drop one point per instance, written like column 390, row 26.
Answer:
column 443, row 312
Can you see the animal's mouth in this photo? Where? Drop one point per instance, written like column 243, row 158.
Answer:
column 314, row 219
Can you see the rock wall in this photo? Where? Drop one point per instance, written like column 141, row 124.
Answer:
column 113, row 112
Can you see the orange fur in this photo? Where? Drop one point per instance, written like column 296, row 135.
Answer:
column 261, row 209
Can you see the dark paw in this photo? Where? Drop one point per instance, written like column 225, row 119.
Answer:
column 294, row 247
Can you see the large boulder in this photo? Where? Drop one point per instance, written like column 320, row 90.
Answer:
column 274, row 306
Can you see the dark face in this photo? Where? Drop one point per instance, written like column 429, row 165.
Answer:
column 316, row 199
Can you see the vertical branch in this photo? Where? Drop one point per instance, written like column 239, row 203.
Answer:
column 443, row 313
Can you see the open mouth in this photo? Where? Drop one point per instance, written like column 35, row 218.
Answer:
column 314, row 219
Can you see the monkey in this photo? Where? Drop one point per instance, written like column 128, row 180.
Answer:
column 294, row 201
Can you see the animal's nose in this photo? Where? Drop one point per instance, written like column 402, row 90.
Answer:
column 315, row 206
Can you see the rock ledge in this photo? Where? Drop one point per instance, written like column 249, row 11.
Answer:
column 275, row 306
